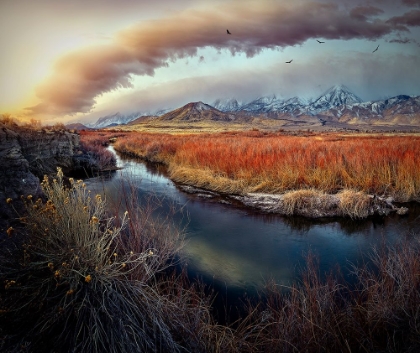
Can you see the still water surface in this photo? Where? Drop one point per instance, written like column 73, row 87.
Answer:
column 237, row 248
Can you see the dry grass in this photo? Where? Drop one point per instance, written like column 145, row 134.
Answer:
column 254, row 161
column 355, row 204
column 303, row 199
column 88, row 282
column 379, row 314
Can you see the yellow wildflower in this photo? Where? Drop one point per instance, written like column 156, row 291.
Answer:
column 95, row 219
column 70, row 291
column 9, row 284
column 59, row 172
column 150, row 252
column 9, row 200
column 10, row 231
column 50, row 265
column 88, row 278
column 29, row 197
column 57, row 273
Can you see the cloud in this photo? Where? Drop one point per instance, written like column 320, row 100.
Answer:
column 411, row 18
column 81, row 76
column 411, row 2
column 362, row 13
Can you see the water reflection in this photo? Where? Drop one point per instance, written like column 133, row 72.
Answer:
column 234, row 246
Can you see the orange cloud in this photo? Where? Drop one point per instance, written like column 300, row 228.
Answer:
column 80, row 76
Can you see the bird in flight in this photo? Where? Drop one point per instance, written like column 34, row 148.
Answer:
column 319, row 41
column 376, row 49
column 288, row 62
column 228, row 32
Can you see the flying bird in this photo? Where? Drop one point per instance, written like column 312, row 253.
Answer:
column 288, row 62
column 376, row 49
column 228, row 32
column 319, row 41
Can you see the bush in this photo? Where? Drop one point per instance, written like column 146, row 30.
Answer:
column 88, row 282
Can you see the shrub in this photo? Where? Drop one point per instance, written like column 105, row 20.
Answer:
column 85, row 282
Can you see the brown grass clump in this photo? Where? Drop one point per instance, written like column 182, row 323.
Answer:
column 303, row 199
column 355, row 204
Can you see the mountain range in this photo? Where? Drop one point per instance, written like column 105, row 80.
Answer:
column 337, row 104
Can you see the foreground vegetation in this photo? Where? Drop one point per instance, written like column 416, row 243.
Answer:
column 275, row 163
column 83, row 275
column 84, row 280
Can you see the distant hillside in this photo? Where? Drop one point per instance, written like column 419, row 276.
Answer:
column 197, row 111
column 142, row 119
column 77, row 126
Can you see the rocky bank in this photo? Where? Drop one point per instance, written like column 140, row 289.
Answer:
column 26, row 155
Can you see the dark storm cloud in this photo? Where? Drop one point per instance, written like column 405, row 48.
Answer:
column 363, row 12
column 411, row 2
column 81, row 76
column 411, row 18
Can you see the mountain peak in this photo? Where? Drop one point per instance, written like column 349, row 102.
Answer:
column 334, row 97
column 200, row 106
column 227, row 105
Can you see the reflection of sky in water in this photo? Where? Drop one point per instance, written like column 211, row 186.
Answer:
column 238, row 247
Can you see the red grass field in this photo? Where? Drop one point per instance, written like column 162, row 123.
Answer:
column 271, row 162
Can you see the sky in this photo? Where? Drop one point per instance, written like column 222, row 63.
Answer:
column 78, row 60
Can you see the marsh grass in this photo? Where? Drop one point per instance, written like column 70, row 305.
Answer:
column 305, row 198
column 379, row 313
column 254, row 161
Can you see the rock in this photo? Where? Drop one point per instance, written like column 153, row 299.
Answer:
column 401, row 211
column 25, row 156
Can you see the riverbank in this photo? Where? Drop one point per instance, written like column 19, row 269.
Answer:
column 316, row 175
column 28, row 152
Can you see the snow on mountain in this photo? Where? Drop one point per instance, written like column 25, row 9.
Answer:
column 112, row 119
column 401, row 104
column 337, row 96
column 338, row 102
column 227, row 105
column 263, row 105
column 122, row 119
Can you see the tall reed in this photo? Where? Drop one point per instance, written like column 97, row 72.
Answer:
column 272, row 162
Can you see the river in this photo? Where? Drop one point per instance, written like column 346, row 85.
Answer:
column 238, row 249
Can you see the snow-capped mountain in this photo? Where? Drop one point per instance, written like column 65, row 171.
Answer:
column 337, row 104
column 114, row 119
column 337, row 96
column 401, row 104
column 263, row 105
column 227, row 105
column 122, row 119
